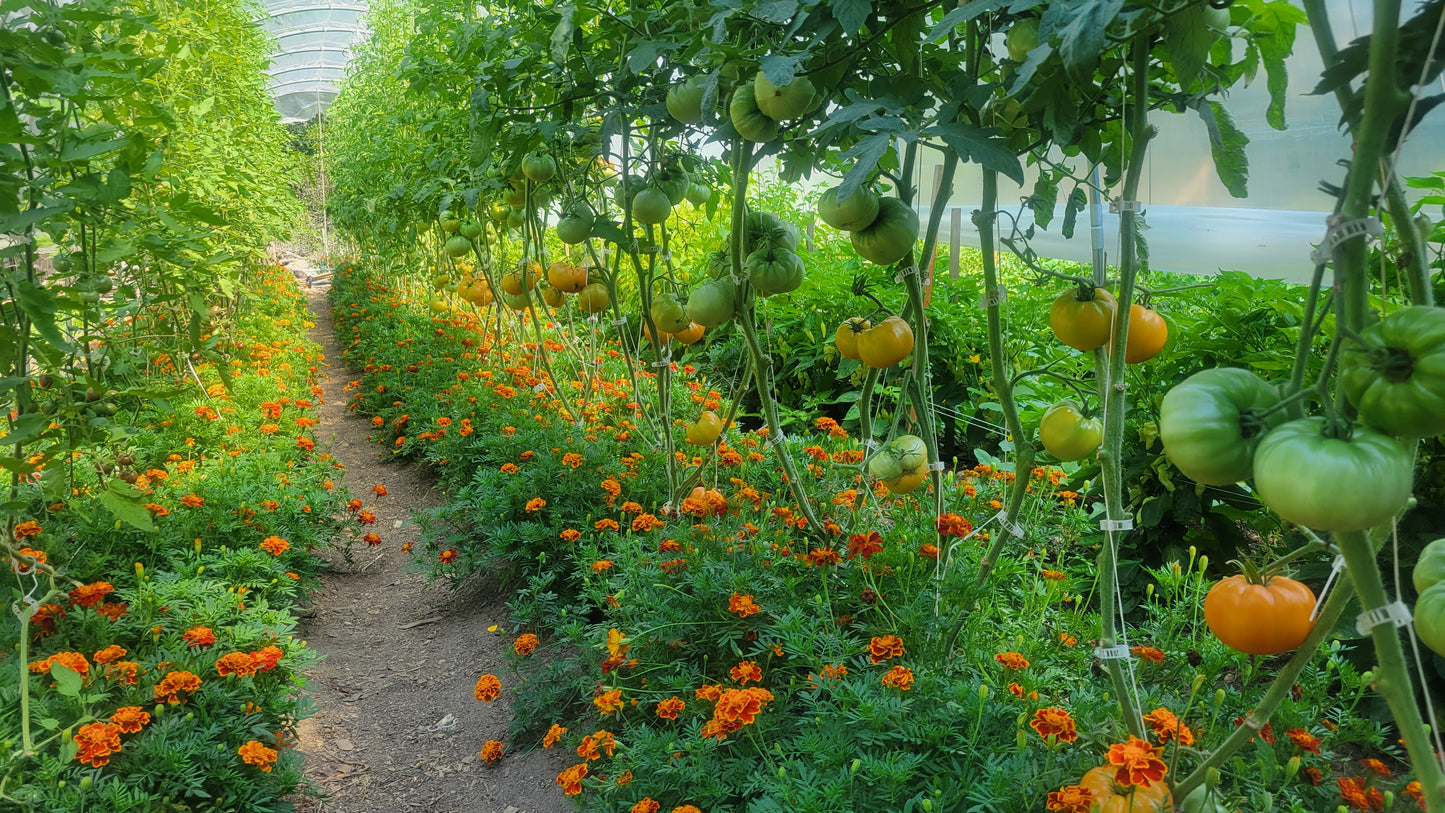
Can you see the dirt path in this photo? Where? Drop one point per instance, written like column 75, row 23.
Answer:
column 396, row 726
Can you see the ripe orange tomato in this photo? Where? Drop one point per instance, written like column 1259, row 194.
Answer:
column 1259, row 619
column 1083, row 324
column 567, row 278
column 520, row 280
column 706, row 430
column 1147, row 334
column 886, row 343
column 1153, row 799
column 846, row 337
column 693, row 333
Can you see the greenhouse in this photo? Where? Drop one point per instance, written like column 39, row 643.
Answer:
column 722, row 406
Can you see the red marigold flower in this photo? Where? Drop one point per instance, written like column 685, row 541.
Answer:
column 491, row 751
column 746, row 671
column 366, row 518
column 446, row 557
column 1071, row 799
column 1054, row 725
column 1304, row 740
column 90, row 595
column 254, row 753
column 864, row 545
column 1136, row 763
column 97, row 741
column 1149, row 653
column 488, row 688
column 885, row 647
column 130, row 719
column 669, row 708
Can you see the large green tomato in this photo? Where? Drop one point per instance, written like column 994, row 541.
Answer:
column 719, row 264
column 457, row 246
column 1331, row 484
column 651, row 206
column 1398, row 386
column 747, row 119
column 767, row 230
column 576, row 224
column 857, row 212
column 1204, row 799
column 901, row 465
column 1430, row 618
column 775, row 271
column 1067, row 434
column 712, row 303
column 673, row 182
column 787, row 102
column 1430, row 567
column 1022, row 37
column 684, row 100
column 1209, row 426
column 698, row 194
column 890, row 236
column 668, row 314
column 539, row 168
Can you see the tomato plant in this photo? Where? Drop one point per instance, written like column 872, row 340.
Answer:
column 1301, row 471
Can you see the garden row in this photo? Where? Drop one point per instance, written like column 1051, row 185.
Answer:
column 712, row 652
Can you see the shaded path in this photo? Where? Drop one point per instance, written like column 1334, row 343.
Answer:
column 396, row 727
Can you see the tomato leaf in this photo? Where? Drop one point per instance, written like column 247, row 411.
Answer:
column 851, row 14
column 982, row 146
column 1076, row 203
column 961, row 15
column 1084, row 36
column 865, row 155
column 776, row 11
column 562, row 34
column 780, row 70
column 1187, row 39
column 1226, row 145
column 67, row 680
column 123, row 500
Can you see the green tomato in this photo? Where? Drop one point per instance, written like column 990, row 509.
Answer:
column 1204, row 799
column 1022, row 38
column 712, row 303
column 457, row 246
column 1430, row 567
column 775, row 271
column 651, row 206
column 857, row 212
column 719, row 264
column 765, row 230
column 61, row 263
column 470, row 230
column 698, row 194
column 668, row 314
column 515, row 197
column 1331, row 484
column 516, row 218
column 787, row 102
column 1398, row 384
column 747, row 119
column 539, row 168
column 576, row 224
column 684, row 100
column 1208, row 424
column 1067, row 434
column 1430, row 618
column 890, row 236
column 912, row 452
column 674, row 183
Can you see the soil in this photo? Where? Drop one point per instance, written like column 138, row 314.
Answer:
column 396, row 726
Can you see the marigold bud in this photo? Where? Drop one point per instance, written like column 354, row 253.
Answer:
column 1197, row 684
column 1291, row 769
column 1218, row 699
column 1212, row 777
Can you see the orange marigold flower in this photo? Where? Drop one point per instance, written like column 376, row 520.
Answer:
column 126, row 673
column 820, row 557
column 572, row 460
column 609, row 702
column 570, row 535
column 685, row 809
column 571, row 779
column 24, row 567
column 1054, row 725
column 366, row 518
column 74, row 661
column 509, row 468
column 1354, row 793
column 90, row 595
column 864, row 545
column 746, row 671
column 371, row 539
column 928, row 550
column 97, row 741
column 606, row 524
column 525, row 644
column 642, row 523
column 130, row 719
column 536, row 504
column 1167, row 727
column 110, row 653
column 236, row 663
column 710, row 692
column 170, row 688
column 27, row 529
column 1011, row 660
column 1376, row 766
column 1136, row 763
column 254, row 753
column 275, row 545
column 953, row 525
column 601, row 565
column 193, row 501
column 553, row 735
column 1053, row 575
column 267, row 657
column 737, row 708
column 743, row 605
column 1149, row 653
column 593, row 745
column 491, row 751
column 353, row 505
column 1415, row 791
column 669, row 708
column 899, row 677
column 1071, row 799
column 647, row 805
column 488, row 688
column 885, row 647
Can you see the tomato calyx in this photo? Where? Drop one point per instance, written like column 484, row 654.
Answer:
column 1085, row 292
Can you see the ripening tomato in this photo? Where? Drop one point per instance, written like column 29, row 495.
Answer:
column 594, row 298
column 1332, row 483
column 886, row 343
column 457, row 246
column 437, row 305
column 691, row 334
column 1110, row 798
column 705, row 430
column 552, row 296
column 846, row 337
column 1067, row 434
column 1083, row 323
column 1255, row 618
column 576, row 223
column 567, row 278
column 901, row 465
column 1147, row 335
column 518, row 281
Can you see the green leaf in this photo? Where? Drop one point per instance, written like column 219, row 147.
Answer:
column 1078, row 199
column 1042, row 201
column 780, row 70
column 865, row 154
column 67, row 680
column 851, row 14
column 562, row 34
column 981, row 146
column 40, row 305
column 19, row 222
column 1187, row 39
column 961, row 15
column 1084, row 36
column 85, row 150
column 123, row 500
column 1226, row 145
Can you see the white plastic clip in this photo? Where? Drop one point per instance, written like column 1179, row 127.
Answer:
column 1396, row 614
column 993, row 297
column 620, row 321
column 1116, row 525
column 1013, row 528
column 1341, row 230
column 595, row 318
column 539, row 389
column 666, row 362
column 1117, row 206
column 1118, row 652
column 937, row 465
column 1339, row 564
column 774, row 440
column 872, row 444
column 905, row 272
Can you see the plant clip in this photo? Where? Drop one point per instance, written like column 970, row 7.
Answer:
column 597, row 317
column 1118, row 652
column 665, row 361
column 1116, row 206
column 1335, row 568
column 620, row 321
column 1396, row 614
column 1339, row 231
column 774, row 440
column 539, row 389
column 937, row 465
column 872, row 444
column 1116, row 524
column 1013, row 528
column 994, row 297
column 905, row 272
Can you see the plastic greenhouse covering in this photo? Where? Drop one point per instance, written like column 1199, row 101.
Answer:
column 1194, row 224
